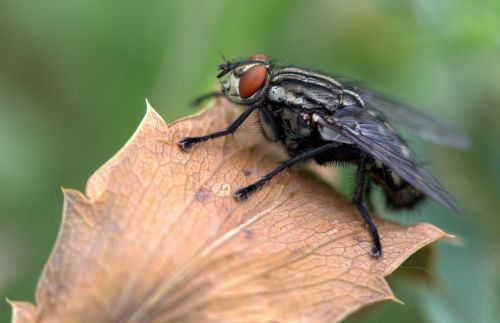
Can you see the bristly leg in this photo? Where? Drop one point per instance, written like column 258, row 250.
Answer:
column 187, row 143
column 376, row 250
column 368, row 194
column 242, row 194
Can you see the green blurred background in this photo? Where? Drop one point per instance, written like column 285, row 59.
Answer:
column 74, row 75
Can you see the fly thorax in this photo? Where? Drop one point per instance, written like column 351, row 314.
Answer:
column 281, row 95
column 326, row 130
column 349, row 98
column 295, row 124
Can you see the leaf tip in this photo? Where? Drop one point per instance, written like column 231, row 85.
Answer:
column 22, row 312
column 72, row 194
column 151, row 125
column 151, row 113
column 455, row 240
column 398, row 301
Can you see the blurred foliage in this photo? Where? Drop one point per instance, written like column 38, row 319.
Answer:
column 74, row 75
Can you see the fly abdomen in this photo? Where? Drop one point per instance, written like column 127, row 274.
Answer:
column 403, row 197
column 399, row 193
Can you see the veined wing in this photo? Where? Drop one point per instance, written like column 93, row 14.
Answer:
column 382, row 143
column 418, row 122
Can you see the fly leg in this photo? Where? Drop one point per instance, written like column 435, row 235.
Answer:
column 204, row 97
column 376, row 250
column 242, row 194
column 187, row 143
column 368, row 194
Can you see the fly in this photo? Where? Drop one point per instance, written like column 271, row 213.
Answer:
column 318, row 117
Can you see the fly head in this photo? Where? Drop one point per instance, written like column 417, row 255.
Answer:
column 248, row 80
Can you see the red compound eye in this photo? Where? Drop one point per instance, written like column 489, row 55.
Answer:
column 252, row 80
column 259, row 57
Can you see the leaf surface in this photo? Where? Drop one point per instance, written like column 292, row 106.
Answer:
column 158, row 237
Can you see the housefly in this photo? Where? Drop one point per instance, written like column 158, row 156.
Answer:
column 318, row 117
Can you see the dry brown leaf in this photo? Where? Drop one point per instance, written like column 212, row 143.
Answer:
column 159, row 238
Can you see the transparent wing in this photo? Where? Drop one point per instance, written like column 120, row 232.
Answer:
column 418, row 122
column 383, row 144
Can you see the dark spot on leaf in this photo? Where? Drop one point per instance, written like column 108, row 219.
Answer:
column 201, row 195
column 248, row 234
column 299, row 252
column 357, row 238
